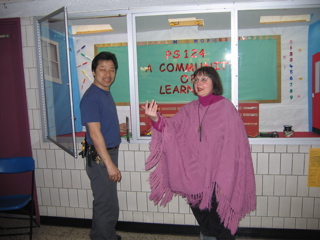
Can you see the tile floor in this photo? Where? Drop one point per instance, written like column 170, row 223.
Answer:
column 48, row 232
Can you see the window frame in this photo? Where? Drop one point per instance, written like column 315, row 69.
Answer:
column 52, row 61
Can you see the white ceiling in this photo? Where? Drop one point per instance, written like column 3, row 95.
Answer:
column 248, row 19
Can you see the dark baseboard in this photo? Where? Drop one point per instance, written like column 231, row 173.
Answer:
column 173, row 229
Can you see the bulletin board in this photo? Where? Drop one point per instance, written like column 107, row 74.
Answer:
column 120, row 87
column 165, row 68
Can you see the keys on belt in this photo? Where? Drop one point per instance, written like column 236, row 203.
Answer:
column 94, row 156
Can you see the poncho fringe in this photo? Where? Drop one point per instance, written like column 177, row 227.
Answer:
column 162, row 192
column 164, row 195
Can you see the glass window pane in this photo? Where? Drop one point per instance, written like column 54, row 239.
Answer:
column 53, row 53
column 87, row 46
column 55, row 81
column 273, row 66
column 167, row 56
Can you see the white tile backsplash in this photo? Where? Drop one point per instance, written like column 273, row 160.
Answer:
column 174, row 205
column 75, row 179
column 60, row 160
column 82, row 198
column 66, row 179
column 273, row 206
column 142, row 200
column 266, row 222
column 284, row 206
column 263, row 163
column 312, row 223
column 293, row 148
column 61, row 211
column 51, row 158
column 268, row 148
column 135, row 181
column 289, row 223
column 132, row 201
column 129, row 161
column 308, row 207
column 274, row 163
column 298, row 164
column 296, row 207
column 291, row 185
column 257, row 148
column 314, row 192
column 256, row 222
column 64, row 197
column 158, row 217
column 48, row 179
column 179, row 218
column 41, row 159
column 151, row 205
column 39, row 177
column 168, row 218
column 70, row 213
column 283, row 198
column 281, row 148
column 139, row 158
column 303, row 190
column 125, row 184
column 304, row 148
column 54, row 195
column 268, row 185
column 286, row 164
column 280, row 185
column 262, row 206
column 79, row 213
column 85, row 182
column 73, row 197
column 122, row 196
column 45, row 196
column 183, row 206
column 301, row 223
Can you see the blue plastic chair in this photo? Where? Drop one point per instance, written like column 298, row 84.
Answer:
column 16, row 165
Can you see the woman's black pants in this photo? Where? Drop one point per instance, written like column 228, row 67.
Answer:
column 209, row 222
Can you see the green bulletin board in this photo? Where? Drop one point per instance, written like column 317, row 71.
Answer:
column 165, row 68
column 120, row 87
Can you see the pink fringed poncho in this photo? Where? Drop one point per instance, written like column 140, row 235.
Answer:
column 221, row 162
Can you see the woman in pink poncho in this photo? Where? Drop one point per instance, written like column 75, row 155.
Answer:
column 202, row 153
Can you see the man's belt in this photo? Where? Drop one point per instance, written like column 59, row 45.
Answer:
column 113, row 148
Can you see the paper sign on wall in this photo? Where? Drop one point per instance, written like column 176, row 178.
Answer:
column 314, row 168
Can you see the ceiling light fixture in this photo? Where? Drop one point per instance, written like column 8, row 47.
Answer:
column 285, row 19
column 180, row 22
column 88, row 29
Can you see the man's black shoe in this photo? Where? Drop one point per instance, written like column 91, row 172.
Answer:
column 118, row 237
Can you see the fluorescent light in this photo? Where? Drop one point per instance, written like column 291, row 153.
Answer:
column 285, row 19
column 179, row 22
column 87, row 29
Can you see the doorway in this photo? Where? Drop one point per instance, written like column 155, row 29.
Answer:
column 14, row 123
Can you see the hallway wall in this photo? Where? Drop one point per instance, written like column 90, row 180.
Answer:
column 283, row 198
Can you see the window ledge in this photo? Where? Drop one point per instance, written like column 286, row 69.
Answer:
column 299, row 138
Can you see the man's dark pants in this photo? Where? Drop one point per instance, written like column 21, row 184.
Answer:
column 105, row 200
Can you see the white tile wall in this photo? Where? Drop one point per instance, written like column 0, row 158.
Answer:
column 283, row 198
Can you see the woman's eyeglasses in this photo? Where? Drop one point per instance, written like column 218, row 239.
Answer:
column 200, row 80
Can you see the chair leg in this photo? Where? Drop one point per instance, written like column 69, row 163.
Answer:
column 31, row 219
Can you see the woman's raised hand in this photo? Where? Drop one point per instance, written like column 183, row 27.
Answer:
column 151, row 109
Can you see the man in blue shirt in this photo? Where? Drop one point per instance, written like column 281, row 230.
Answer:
column 99, row 115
